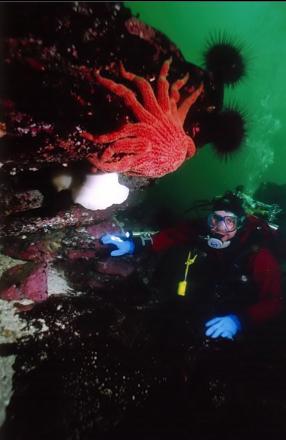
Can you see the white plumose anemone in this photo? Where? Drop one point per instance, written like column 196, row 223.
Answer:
column 99, row 191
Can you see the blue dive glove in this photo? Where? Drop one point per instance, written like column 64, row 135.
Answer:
column 224, row 327
column 123, row 245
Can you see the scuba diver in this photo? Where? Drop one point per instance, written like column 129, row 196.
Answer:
column 222, row 268
column 220, row 282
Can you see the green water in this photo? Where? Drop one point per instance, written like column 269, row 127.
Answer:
column 261, row 28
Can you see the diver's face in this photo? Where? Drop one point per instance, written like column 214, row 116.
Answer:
column 224, row 224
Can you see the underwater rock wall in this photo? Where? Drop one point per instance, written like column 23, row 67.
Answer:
column 82, row 340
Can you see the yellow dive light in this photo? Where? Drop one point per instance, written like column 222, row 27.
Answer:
column 182, row 286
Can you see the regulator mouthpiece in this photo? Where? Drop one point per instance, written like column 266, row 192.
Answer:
column 216, row 243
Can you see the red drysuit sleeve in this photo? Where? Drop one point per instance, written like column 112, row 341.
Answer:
column 183, row 233
column 267, row 276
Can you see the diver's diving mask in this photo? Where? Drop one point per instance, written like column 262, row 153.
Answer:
column 231, row 221
column 230, row 225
